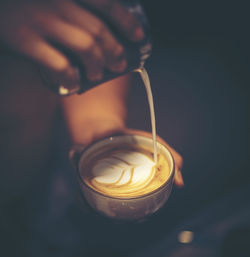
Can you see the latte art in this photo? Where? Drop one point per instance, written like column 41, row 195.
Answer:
column 126, row 173
column 125, row 170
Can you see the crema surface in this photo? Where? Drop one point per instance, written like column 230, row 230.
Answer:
column 126, row 173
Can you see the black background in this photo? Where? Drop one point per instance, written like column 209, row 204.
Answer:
column 199, row 72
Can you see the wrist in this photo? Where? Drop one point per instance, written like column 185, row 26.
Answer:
column 93, row 129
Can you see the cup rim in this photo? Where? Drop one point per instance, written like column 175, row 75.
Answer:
column 169, row 179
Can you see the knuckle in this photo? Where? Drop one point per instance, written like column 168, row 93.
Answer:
column 89, row 44
column 84, row 43
column 99, row 31
column 61, row 66
column 59, row 63
column 93, row 56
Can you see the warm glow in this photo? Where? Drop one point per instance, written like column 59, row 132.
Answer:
column 63, row 90
column 186, row 237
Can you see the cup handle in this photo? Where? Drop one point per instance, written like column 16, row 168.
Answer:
column 75, row 154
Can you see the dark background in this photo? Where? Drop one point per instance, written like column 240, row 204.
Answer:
column 199, row 72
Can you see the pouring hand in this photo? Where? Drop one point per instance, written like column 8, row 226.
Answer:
column 34, row 29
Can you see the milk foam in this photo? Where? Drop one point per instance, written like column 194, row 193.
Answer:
column 125, row 172
column 124, row 168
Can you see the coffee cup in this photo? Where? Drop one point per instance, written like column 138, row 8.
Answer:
column 119, row 179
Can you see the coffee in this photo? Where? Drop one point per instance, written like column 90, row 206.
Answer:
column 124, row 171
column 126, row 177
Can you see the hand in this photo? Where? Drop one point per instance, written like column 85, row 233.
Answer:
column 106, row 116
column 33, row 28
column 113, row 129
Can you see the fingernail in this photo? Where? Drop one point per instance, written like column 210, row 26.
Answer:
column 95, row 76
column 73, row 73
column 138, row 34
column 120, row 67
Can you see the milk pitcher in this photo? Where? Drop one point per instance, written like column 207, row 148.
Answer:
column 136, row 54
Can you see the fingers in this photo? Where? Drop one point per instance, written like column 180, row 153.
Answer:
column 113, row 52
column 39, row 50
column 119, row 16
column 87, row 37
column 178, row 179
column 34, row 46
column 76, row 29
column 79, row 42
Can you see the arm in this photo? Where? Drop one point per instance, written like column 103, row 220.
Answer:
column 98, row 112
